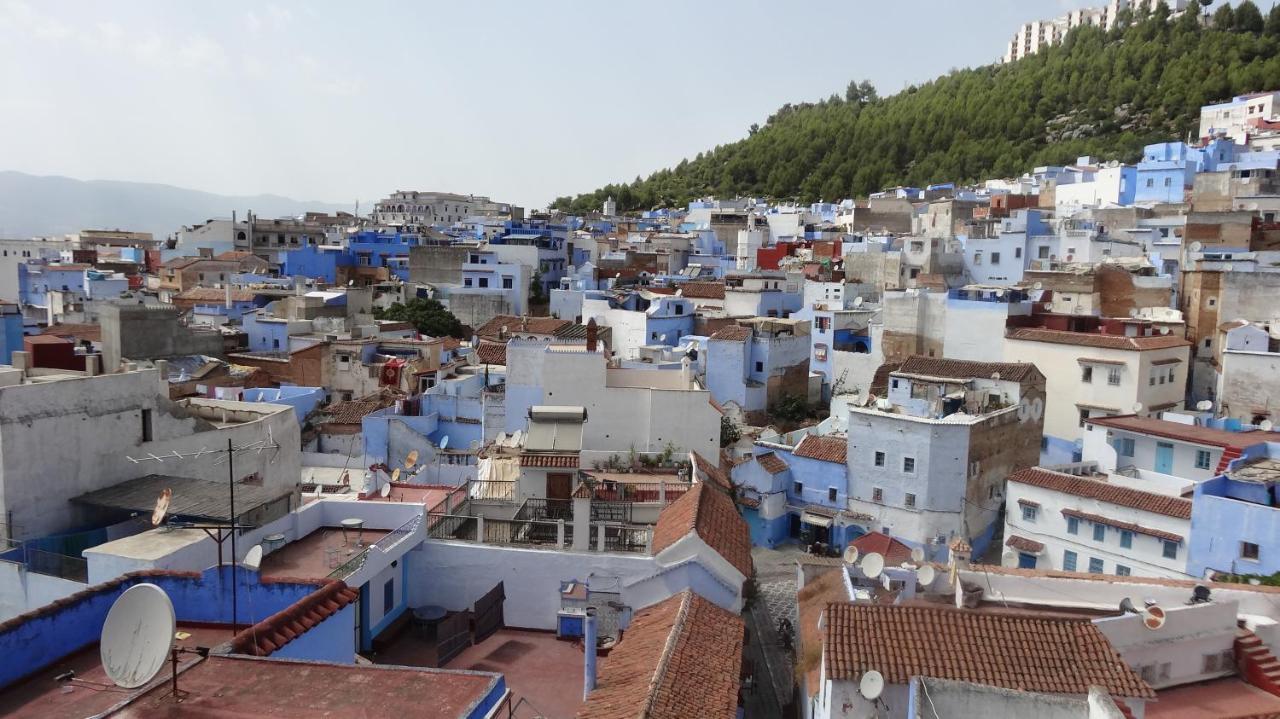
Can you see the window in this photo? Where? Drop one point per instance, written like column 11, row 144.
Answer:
column 466, row 281
column 797, row 487
column 484, row 281
column 877, row 494
column 1126, row 539
column 1126, row 446
column 1249, row 550
column 1073, row 525
column 909, row 464
column 759, row 366
column 1017, row 253
column 1151, row 381
column 1099, row 532
column 1042, row 252
column 1122, row 571
column 388, row 596
column 1028, row 513
column 1069, row 561
column 822, row 323
column 1171, row 375
column 977, row 258
column 1113, row 376
column 909, row 500
column 146, row 425
column 879, row 459
column 819, row 353
column 507, row 283
column 275, row 343
column 1170, row 549
column 679, row 309
column 1084, row 416
column 1086, row 374
column 1202, row 459
column 831, row 494
column 1095, row 565
column 1151, row 182
column 995, row 258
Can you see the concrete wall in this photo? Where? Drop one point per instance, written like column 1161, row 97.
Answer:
column 140, row 332
column 1249, row 385
column 437, row 265
column 974, row 330
column 1189, row 634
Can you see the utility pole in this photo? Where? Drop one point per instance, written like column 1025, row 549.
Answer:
column 235, row 562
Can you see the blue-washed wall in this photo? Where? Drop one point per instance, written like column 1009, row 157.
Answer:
column 332, row 640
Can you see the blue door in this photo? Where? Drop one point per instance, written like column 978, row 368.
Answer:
column 1026, row 561
column 1164, row 458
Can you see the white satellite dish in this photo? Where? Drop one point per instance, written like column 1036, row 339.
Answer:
column 137, row 635
column 1153, row 617
column 926, row 575
column 385, row 491
column 1137, row 406
column 1038, row 286
column 253, row 559
column 1196, row 246
column 1266, row 425
column 162, row 507
column 851, row 555
column 917, row 555
column 871, row 686
column 872, row 565
column 444, row 442
column 1204, row 405
column 857, row 301
column 395, row 475
column 412, row 459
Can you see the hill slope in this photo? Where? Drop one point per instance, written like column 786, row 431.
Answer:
column 34, row 205
column 1098, row 93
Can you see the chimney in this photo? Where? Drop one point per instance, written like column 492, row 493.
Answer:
column 588, row 653
column 593, row 334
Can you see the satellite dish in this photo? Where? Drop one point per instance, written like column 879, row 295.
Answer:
column 851, row 555
column 1204, row 405
column 1133, row 312
column 857, row 301
column 395, row 475
column 137, row 635
column 1038, row 286
column 162, row 507
column 253, row 559
column 1048, row 307
column 444, row 442
column 872, row 565
column 926, row 575
column 1266, row 425
column 385, row 491
column 1153, row 618
column 886, row 582
column 412, row 459
column 1137, row 406
column 871, row 686
column 1126, row 606
column 917, row 555
column 1196, row 246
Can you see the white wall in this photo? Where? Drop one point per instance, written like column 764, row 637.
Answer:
column 22, row 591
column 1189, row 634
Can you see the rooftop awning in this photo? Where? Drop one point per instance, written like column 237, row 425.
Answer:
column 815, row 520
column 192, row 498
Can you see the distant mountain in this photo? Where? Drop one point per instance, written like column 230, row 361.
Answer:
column 32, row 205
column 1098, row 93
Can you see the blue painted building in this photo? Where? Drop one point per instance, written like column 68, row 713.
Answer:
column 10, row 331
column 314, row 262
column 302, row 399
column 1235, row 517
column 1167, row 170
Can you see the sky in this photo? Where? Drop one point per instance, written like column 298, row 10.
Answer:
column 521, row 101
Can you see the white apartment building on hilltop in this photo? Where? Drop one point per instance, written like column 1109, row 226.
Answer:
column 1041, row 33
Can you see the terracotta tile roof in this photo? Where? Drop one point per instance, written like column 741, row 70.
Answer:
column 568, row 461
column 680, row 658
column 354, row 411
column 269, row 635
column 702, row 290
column 712, row 516
column 1104, row 492
column 452, row 343
column 965, row 369
column 492, row 352
column 1023, row 544
column 209, row 294
column 732, row 333
column 880, row 380
column 1093, row 339
column 708, row 472
column 516, row 324
column 93, row 333
column 812, row 600
column 1131, row 526
column 1055, row 655
column 234, row 256
column 771, row 463
column 893, row 551
column 1185, row 432
column 825, row 448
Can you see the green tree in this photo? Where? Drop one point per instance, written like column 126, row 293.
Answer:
column 537, row 295
column 1224, row 18
column 729, row 432
column 1248, row 18
column 1272, row 27
column 427, row 315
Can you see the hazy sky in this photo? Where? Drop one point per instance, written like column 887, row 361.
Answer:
column 522, row 100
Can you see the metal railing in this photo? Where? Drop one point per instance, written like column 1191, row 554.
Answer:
column 499, row 531
column 395, row 536
column 452, row 526
column 620, row 538
column 539, row 508
column 351, row 566
column 665, row 492
column 74, row 569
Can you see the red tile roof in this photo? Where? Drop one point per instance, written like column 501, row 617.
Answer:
column 771, row 463
column 1023, row 544
column 702, row 290
column 516, row 324
column 826, row 448
column 566, row 461
column 732, row 333
column 680, row 658
column 452, row 343
column 712, row 516
column 1185, row 432
column 354, row 411
column 708, row 472
column 277, row 630
column 1055, row 655
column 812, row 601
column 1093, row 339
column 93, row 333
column 1104, row 492
column 965, row 369
column 893, row 551
column 492, row 352
column 1131, row 526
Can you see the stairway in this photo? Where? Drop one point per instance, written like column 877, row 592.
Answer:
column 1229, row 455
column 1255, row 662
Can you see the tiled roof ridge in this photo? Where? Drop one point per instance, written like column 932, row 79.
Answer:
column 664, row 659
column 270, row 634
column 1138, row 499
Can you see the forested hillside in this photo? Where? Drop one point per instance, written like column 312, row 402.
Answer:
column 1098, row 93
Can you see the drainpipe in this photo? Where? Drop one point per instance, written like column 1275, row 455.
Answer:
column 589, row 653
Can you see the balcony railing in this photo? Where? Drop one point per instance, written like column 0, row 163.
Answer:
column 664, row 492
column 498, row 531
column 539, row 508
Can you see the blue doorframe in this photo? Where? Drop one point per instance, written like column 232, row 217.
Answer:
column 1026, row 561
column 1164, row 458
